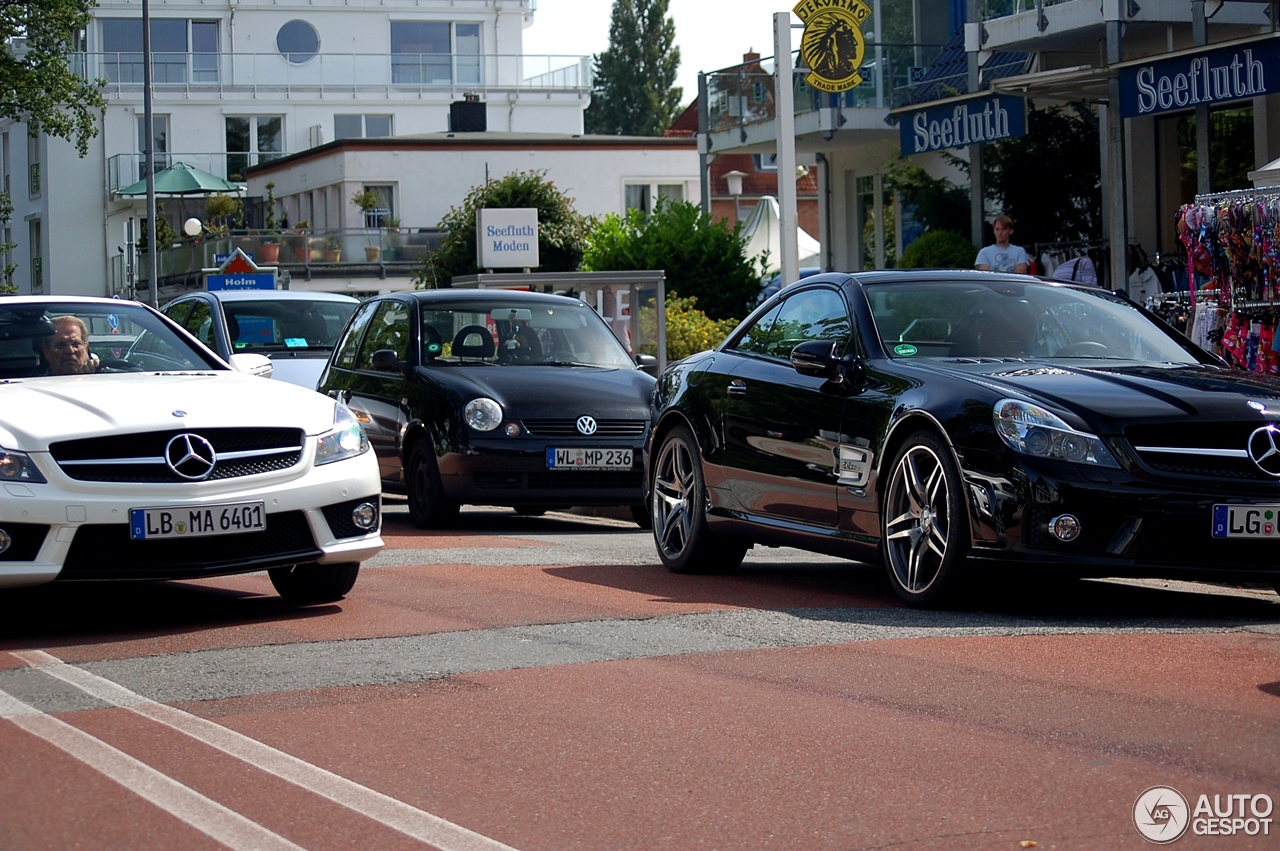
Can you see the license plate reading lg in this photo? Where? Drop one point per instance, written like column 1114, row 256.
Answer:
column 1246, row 521
column 581, row 458
column 146, row 524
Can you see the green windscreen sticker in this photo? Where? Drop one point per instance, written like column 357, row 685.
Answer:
column 906, row 350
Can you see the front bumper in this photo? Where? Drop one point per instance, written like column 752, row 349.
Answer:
column 79, row 530
column 1129, row 526
column 513, row 471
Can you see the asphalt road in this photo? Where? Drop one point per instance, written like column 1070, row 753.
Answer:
column 543, row 683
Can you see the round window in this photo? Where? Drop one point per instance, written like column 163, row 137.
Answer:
column 298, row 42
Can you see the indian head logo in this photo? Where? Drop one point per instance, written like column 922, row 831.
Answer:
column 832, row 44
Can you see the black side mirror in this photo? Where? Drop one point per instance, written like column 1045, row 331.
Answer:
column 648, row 363
column 385, row 360
column 821, row 359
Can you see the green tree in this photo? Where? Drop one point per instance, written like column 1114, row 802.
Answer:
column 39, row 83
column 939, row 249
column 704, row 258
column 939, row 203
column 6, row 268
column 562, row 232
column 1048, row 181
column 634, row 93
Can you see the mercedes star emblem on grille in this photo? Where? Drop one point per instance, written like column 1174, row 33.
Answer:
column 586, row 425
column 190, row 456
column 1263, row 450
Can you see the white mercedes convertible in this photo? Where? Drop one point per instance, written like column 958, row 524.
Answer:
column 130, row 451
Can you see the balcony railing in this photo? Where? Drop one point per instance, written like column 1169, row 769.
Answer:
column 302, row 252
column 744, row 94
column 333, row 72
column 124, row 170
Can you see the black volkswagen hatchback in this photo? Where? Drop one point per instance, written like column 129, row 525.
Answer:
column 491, row 397
column 943, row 420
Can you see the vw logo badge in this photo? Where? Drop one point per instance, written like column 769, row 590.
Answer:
column 1263, row 450
column 190, row 456
column 586, row 425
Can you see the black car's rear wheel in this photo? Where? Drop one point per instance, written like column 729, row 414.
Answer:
column 428, row 506
column 314, row 583
column 679, row 502
column 924, row 524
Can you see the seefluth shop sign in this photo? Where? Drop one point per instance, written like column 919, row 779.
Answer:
column 959, row 123
column 1209, row 75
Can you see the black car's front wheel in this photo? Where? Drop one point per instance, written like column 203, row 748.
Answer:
column 678, row 498
column 428, row 506
column 924, row 524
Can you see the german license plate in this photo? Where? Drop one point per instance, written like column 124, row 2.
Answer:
column 1246, row 521
column 582, row 458
column 146, row 524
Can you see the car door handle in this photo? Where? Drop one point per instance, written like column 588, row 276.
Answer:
column 737, row 387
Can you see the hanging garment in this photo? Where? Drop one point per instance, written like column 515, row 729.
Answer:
column 1143, row 283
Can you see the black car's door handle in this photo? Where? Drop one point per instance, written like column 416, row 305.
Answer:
column 737, row 387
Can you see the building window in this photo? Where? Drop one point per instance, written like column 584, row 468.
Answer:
column 298, row 42
column 5, row 155
column 378, row 216
column 252, row 139
column 33, row 165
column 361, row 126
column 37, row 260
column 434, row 52
column 765, row 162
column 181, row 50
column 160, row 135
column 639, row 196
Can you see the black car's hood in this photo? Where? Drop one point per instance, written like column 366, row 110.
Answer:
column 1107, row 395
column 553, row 391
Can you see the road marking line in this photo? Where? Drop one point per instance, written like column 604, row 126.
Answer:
column 182, row 802
column 395, row 814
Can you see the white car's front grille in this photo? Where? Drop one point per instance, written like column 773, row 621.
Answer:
column 158, row 457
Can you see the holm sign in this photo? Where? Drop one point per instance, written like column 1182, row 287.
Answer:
column 239, row 272
column 1210, row 76
column 957, row 124
column 507, row 239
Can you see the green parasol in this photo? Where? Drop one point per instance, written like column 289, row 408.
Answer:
column 182, row 179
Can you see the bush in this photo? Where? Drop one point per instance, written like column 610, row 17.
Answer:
column 689, row 330
column 939, row 249
column 561, row 231
column 703, row 257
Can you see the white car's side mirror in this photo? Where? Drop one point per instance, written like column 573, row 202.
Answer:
column 259, row 365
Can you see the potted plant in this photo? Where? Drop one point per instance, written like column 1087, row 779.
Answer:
column 297, row 241
column 368, row 201
column 392, row 224
column 270, row 246
column 333, row 251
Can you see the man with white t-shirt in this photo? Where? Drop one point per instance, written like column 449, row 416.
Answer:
column 1003, row 257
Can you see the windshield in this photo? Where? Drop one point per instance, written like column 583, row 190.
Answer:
column 70, row 339
column 263, row 327
column 978, row 319
column 503, row 333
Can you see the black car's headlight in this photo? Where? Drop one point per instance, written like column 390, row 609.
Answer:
column 482, row 414
column 345, row 440
column 1032, row 430
column 18, row 467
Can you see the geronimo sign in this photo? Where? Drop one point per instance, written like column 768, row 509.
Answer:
column 832, row 44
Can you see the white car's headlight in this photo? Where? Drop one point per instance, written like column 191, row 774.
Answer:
column 17, row 467
column 346, row 440
column 482, row 414
column 1032, row 430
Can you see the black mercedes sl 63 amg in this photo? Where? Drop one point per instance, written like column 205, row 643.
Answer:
column 938, row 421
column 493, row 397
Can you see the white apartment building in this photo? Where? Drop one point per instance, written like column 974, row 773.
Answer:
column 242, row 82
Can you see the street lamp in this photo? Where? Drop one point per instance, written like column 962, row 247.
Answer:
column 734, row 180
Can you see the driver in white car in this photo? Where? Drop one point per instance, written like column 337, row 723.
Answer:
column 67, row 351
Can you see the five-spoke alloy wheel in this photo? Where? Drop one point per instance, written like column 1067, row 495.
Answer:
column 678, row 498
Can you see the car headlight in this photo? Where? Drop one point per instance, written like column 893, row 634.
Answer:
column 18, row 467
column 482, row 414
column 346, row 440
column 1032, row 430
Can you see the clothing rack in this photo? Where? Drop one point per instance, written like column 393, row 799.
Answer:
column 1237, row 195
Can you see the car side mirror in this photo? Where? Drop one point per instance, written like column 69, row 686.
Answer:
column 819, row 358
column 648, row 363
column 385, row 360
column 252, row 364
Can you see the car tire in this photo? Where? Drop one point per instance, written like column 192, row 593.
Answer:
column 428, row 507
column 314, row 583
column 924, row 523
column 678, row 493
column 641, row 514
